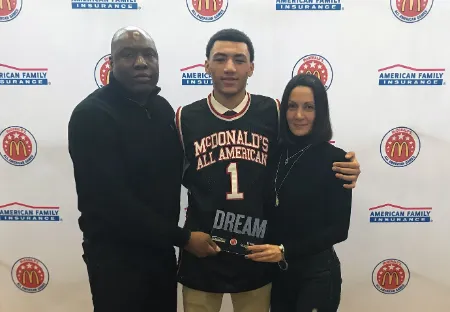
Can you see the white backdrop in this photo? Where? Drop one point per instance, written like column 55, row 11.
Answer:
column 52, row 57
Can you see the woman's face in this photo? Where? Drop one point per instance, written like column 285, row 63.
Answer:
column 301, row 111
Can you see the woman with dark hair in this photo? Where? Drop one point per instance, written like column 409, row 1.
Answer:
column 311, row 207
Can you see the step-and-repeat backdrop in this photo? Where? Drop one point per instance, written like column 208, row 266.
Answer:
column 385, row 64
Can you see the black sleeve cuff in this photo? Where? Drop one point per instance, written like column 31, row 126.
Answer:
column 182, row 237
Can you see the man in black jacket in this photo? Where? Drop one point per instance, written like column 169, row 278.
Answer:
column 128, row 166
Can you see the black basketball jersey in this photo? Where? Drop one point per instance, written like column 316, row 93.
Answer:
column 226, row 168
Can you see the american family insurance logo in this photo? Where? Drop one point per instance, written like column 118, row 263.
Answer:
column 195, row 76
column 207, row 10
column 390, row 276
column 309, row 5
column 106, row 4
column 401, row 75
column 102, row 71
column 389, row 213
column 30, row 275
column 9, row 9
column 400, row 147
column 19, row 147
column 27, row 213
column 317, row 65
column 411, row 11
column 15, row 76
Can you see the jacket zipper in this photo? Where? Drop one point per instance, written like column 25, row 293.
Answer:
column 149, row 116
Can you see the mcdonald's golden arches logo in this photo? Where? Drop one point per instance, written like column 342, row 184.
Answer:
column 19, row 147
column 207, row 10
column 30, row 275
column 390, row 276
column 102, row 70
column 317, row 65
column 400, row 147
column 411, row 11
column 9, row 9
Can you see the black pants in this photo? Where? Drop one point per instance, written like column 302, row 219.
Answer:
column 313, row 283
column 126, row 280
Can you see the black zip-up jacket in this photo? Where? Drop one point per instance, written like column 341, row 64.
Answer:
column 127, row 163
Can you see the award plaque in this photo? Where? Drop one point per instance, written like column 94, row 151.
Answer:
column 233, row 242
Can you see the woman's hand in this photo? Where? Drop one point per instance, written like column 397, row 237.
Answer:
column 265, row 253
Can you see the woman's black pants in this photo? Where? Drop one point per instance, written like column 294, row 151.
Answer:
column 312, row 285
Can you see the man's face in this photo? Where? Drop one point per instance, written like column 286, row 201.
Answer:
column 229, row 66
column 134, row 62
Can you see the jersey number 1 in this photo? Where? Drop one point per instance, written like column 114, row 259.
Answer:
column 233, row 172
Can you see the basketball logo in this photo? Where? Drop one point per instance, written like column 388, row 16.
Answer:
column 19, row 147
column 411, row 11
column 102, row 70
column 30, row 275
column 207, row 10
column 9, row 9
column 315, row 65
column 400, row 147
column 390, row 276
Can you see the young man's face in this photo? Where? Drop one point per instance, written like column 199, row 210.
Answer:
column 229, row 66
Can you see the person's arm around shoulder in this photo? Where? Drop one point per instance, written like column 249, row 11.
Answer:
column 100, row 175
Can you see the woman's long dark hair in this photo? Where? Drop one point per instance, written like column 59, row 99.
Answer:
column 321, row 130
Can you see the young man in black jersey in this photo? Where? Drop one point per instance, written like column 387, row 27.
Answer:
column 228, row 138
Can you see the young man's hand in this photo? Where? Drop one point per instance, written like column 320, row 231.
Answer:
column 201, row 245
column 348, row 171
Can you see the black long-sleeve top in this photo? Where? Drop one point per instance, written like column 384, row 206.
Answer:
column 314, row 207
column 127, row 163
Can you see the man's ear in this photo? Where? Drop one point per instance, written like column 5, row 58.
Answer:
column 111, row 63
column 252, row 68
column 207, row 67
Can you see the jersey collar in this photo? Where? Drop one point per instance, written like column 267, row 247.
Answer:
column 219, row 110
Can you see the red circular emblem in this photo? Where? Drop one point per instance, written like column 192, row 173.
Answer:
column 233, row 242
column 400, row 146
column 390, row 276
column 207, row 7
column 30, row 275
column 19, row 147
column 411, row 8
column 102, row 70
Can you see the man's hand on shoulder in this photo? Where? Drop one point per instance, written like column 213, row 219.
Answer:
column 348, row 170
column 201, row 245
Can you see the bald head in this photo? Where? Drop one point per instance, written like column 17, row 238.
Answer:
column 134, row 59
column 130, row 33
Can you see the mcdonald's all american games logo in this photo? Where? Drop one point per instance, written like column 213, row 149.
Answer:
column 390, row 276
column 400, row 147
column 411, row 11
column 316, row 65
column 9, row 9
column 19, row 147
column 207, row 10
column 195, row 76
column 30, row 275
column 102, row 70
